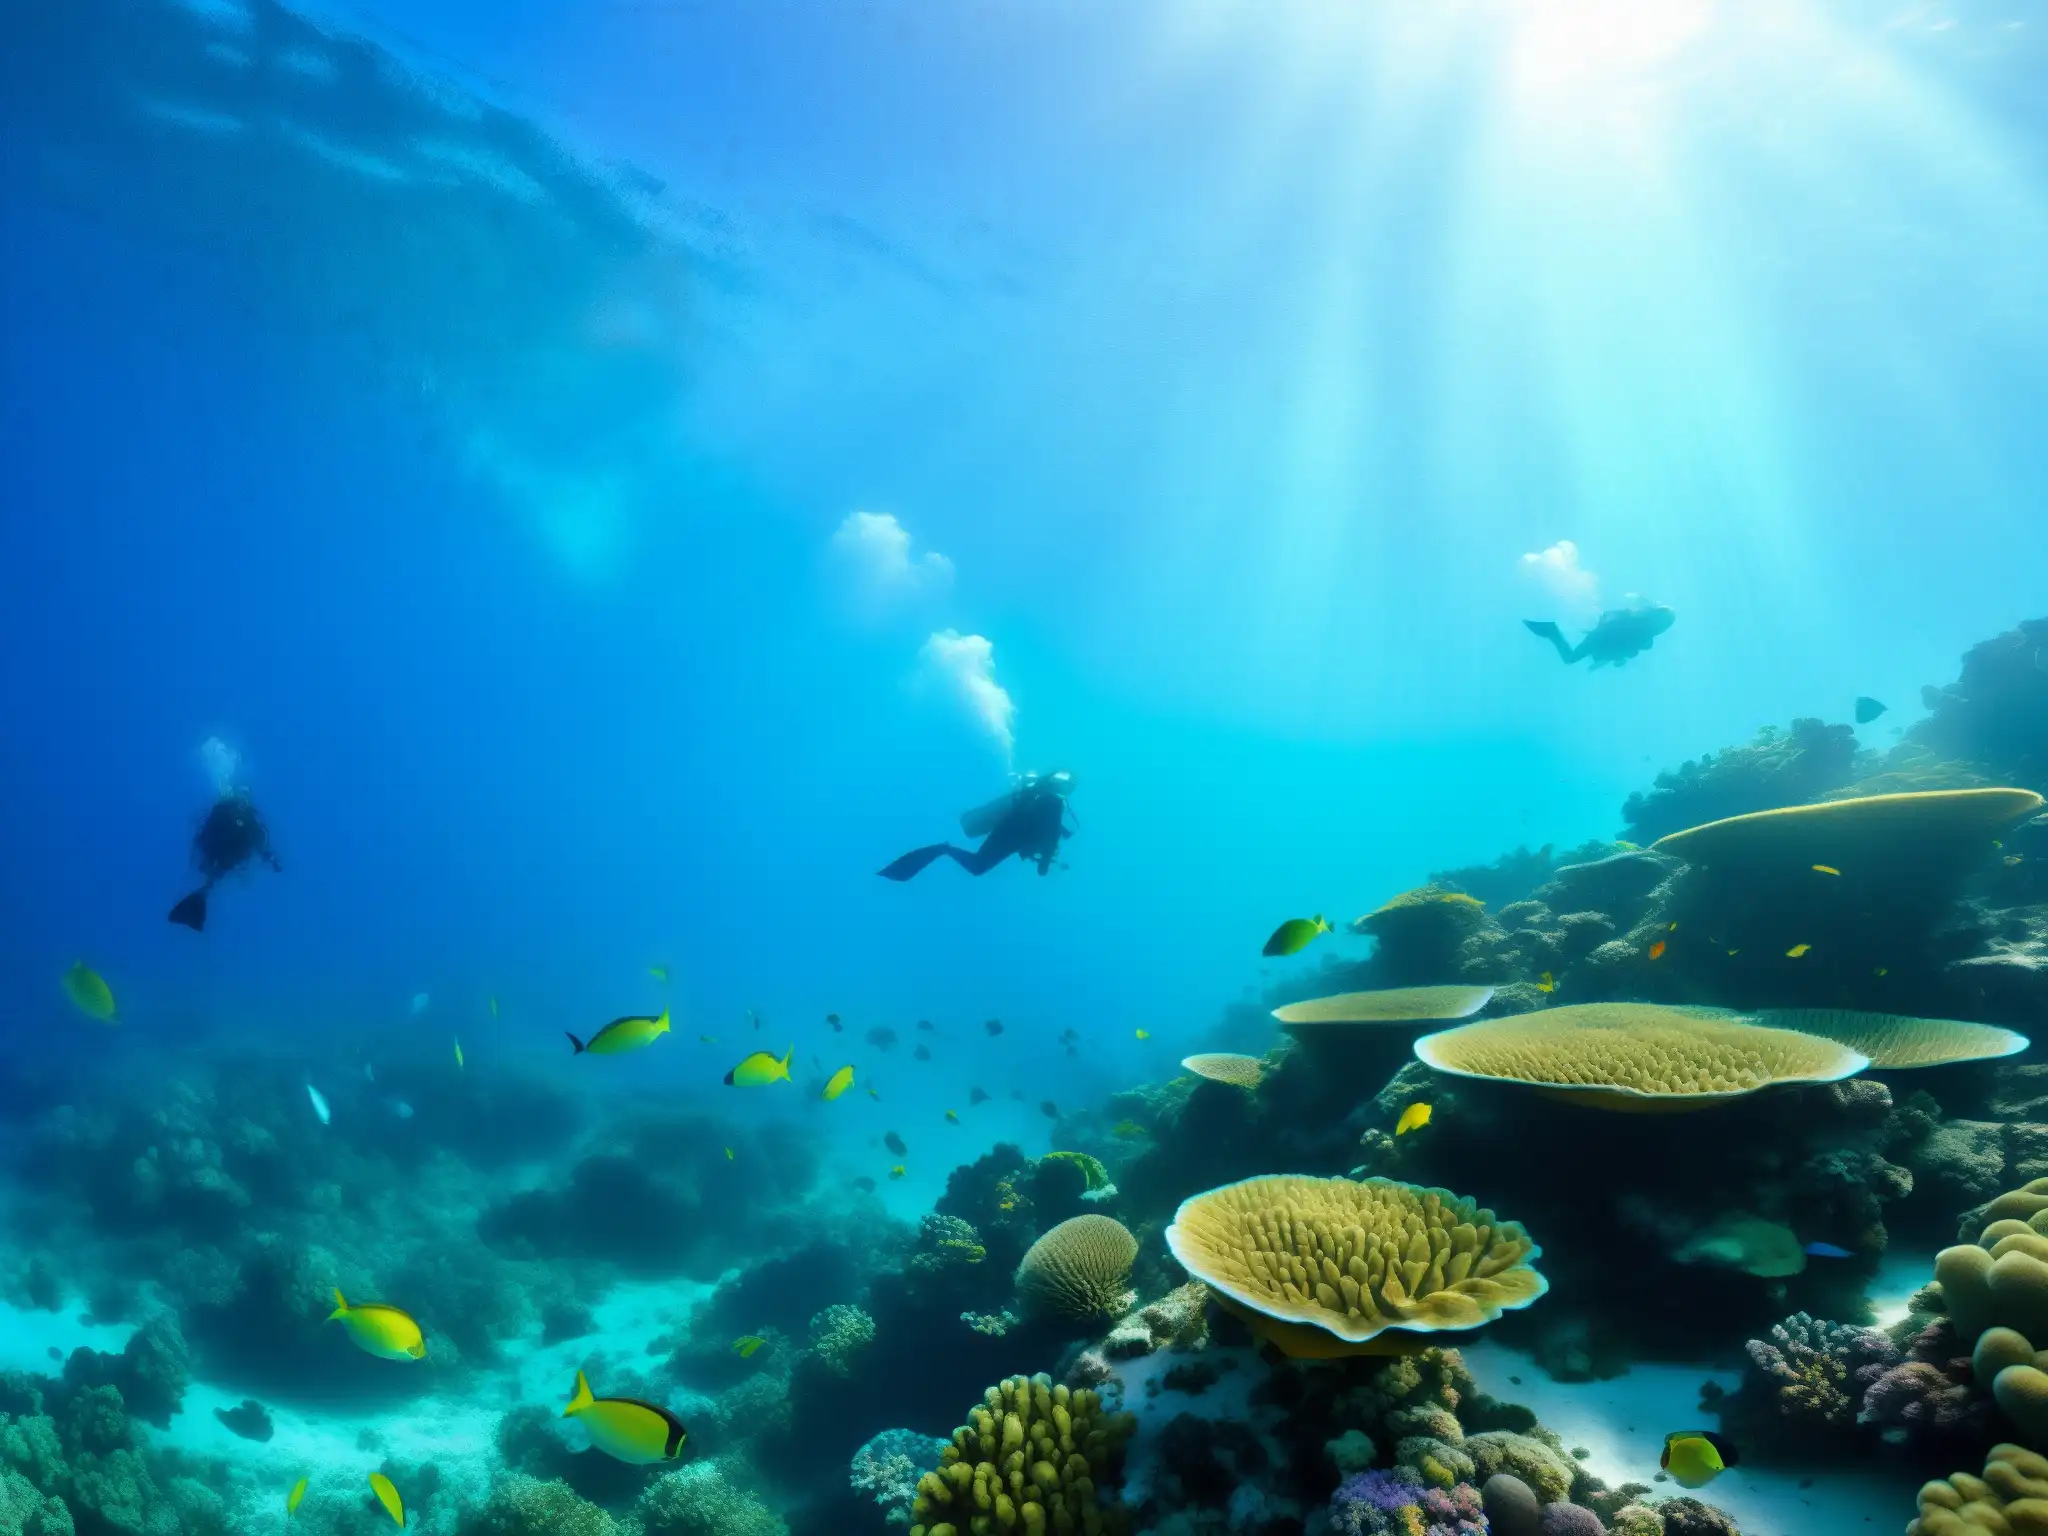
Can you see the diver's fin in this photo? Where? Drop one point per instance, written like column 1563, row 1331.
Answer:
column 192, row 911
column 575, row 1042
column 913, row 863
column 1549, row 631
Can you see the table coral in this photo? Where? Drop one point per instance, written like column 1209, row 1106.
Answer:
column 1776, row 768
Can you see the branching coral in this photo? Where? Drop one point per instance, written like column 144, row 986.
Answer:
column 839, row 1336
column 1814, row 1374
column 1032, row 1457
column 887, row 1468
column 526, row 1506
column 701, row 1499
column 1394, row 1504
column 945, row 1243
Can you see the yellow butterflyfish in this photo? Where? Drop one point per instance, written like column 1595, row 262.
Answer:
column 1695, row 1457
column 1796, row 951
column 896, row 1172
column 376, row 1329
column 1546, row 982
column 626, row 1428
column 1413, row 1118
column 837, row 1084
column 90, row 994
column 1144, row 1034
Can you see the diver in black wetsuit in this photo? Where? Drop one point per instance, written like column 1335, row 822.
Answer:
column 1030, row 822
column 232, row 834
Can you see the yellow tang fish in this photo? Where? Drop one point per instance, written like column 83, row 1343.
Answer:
column 896, row 1172
column 1695, row 1457
column 379, row 1330
column 90, row 994
column 387, row 1495
column 759, row 1070
column 1413, row 1118
column 458, row 1055
column 745, row 1345
column 1546, row 982
column 1826, row 869
column 838, row 1083
column 1295, row 935
column 628, row 1034
column 627, row 1428
column 1796, row 951
column 953, row 1115
column 293, row 1499
column 659, row 973
column 1143, row 1034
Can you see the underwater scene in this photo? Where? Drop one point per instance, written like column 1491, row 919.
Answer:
column 1015, row 769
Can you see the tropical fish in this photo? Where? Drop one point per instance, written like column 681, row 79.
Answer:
column 295, row 1498
column 993, row 1026
column 864, row 1184
column 1867, row 709
column 759, row 1070
column 659, row 973
column 89, row 994
column 895, row 1144
column 1413, row 1118
column 1826, row 869
column 896, row 1172
column 625, row 1427
column 1142, row 1034
column 399, row 1108
column 953, row 1115
column 1295, row 935
column 419, row 1002
column 1657, row 950
column 977, row 1096
column 493, row 1001
column 1050, row 1110
column 728, row 1154
column 387, row 1495
column 925, row 1025
column 1546, row 982
column 1882, row 970
column 1618, row 634
column 745, row 1345
column 923, row 1053
column 1695, row 1457
column 754, row 1018
column 875, row 1093
column 458, row 1055
column 838, row 1083
column 319, row 1104
column 2013, row 858
column 631, row 1033
column 837, row 1027
column 1796, row 951
column 707, row 1039
column 881, row 1037
column 380, row 1330
column 1127, row 1129
column 369, row 1072
column 1829, row 1251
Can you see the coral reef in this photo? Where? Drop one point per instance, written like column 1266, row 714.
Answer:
column 1777, row 768
column 1996, row 712
column 887, row 1468
column 1033, row 1456
column 1428, row 936
column 1967, row 1505
column 1081, row 1268
column 703, row 1499
column 1803, row 1387
column 525, row 1506
column 840, row 1335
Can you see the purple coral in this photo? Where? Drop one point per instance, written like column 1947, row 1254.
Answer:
column 1931, row 1391
column 1816, row 1372
column 1571, row 1520
column 1367, row 1503
column 1458, row 1512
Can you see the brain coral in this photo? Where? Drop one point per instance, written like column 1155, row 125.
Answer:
column 1227, row 1067
column 1322, row 1267
column 1840, row 832
column 1636, row 1056
column 1893, row 1041
column 2010, row 1499
column 1388, row 1005
column 1033, row 1456
column 1080, row 1267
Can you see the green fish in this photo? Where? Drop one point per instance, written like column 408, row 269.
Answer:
column 387, row 1495
column 631, row 1033
column 1295, row 935
column 380, row 1330
column 624, row 1427
column 746, row 1344
column 1695, row 1457
column 759, row 1070
column 90, row 994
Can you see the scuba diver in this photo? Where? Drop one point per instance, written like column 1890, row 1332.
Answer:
column 1030, row 821
column 232, row 835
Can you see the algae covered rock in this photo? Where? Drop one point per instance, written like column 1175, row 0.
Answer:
column 701, row 1499
column 1033, row 1457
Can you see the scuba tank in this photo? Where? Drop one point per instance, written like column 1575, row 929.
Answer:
column 982, row 820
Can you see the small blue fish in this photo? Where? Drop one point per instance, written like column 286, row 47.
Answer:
column 1828, row 1251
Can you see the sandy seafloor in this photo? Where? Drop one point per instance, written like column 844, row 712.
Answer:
column 1620, row 1423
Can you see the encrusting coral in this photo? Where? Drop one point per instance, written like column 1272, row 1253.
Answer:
column 1323, row 1267
column 1081, row 1268
column 1636, row 1056
column 1032, row 1457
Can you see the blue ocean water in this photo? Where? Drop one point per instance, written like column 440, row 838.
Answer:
column 617, row 477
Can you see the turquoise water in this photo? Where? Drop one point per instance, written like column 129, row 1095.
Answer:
column 604, row 482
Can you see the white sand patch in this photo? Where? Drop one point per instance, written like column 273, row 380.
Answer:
column 1899, row 1275
column 26, row 1338
column 1622, row 1424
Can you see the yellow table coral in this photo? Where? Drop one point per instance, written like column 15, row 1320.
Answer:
column 1329, row 1267
column 2010, row 1499
column 1846, row 833
column 1230, row 1067
column 1032, row 1458
column 1895, row 1042
column 1388, row 1005
column 1636, row 1056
